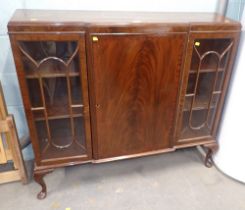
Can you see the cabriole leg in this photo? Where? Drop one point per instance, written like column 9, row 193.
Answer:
column 38, row 177
column 211, row 149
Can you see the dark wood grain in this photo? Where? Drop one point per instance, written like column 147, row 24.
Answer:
column 133, row 79
column 39, row 178
column 136, row 79
column 46, row 17
column 117, row 21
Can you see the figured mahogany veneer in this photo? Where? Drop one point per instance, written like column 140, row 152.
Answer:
column 102, row 86
column 136, row 92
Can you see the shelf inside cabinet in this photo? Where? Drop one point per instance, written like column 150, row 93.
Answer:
column 201, row 102
column 205, row 83
column 52, row 75
column 192, row 71
column 51, row 71
column 56, row 98
column 58, row 112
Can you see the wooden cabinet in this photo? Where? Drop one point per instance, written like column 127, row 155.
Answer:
column 102, row 86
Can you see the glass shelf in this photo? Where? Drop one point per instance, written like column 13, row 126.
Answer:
column 206, row 71
column 204, row 84
column 50, row 71
column 200, row 102
column 57, row 113
column 52, row 75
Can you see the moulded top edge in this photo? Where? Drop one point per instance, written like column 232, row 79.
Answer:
column 61, row 17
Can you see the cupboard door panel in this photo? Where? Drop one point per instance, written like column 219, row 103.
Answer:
column 52, row 75
column 208, row 69
column 136, row 79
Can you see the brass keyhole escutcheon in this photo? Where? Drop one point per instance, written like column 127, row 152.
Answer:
column 197, row 44
column 95, row 39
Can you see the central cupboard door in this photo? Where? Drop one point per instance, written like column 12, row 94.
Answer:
column 135, row 83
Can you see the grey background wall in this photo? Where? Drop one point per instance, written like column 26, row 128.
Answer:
column 7, row 69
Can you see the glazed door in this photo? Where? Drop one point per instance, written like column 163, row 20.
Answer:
column 52, row 74
column 136, row 79
column 208, row 68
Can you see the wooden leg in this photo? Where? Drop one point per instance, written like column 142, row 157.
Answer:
column 38, row 176
column 211, row 149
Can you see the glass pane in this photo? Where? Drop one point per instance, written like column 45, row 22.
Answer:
column 77, row 111
column 204, row 88
column 190, row 127
column 42, row 134
column 34, row 93
column 209, row 50
column 54, row 86
column 76, row 93
column 80, row 131
column 61, row 132
column 38, row 115
column 56, row 96
column 191, row 83
column 204, row 84
column 200, row 104
column 63, row 142
column 49, row 58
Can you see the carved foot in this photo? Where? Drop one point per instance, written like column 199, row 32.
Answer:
column 208, row 159
column 211, row 149
column 38, row 176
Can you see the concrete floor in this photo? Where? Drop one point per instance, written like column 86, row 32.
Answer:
column 172, row 181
